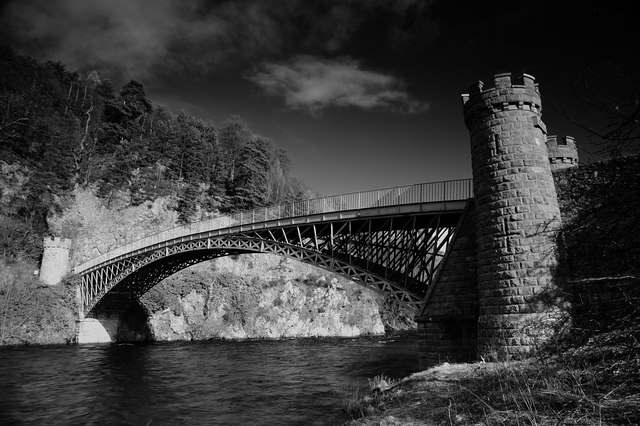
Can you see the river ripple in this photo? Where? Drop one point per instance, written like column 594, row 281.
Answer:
column 296, row 381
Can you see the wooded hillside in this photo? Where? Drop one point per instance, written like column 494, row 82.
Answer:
column 60, row 129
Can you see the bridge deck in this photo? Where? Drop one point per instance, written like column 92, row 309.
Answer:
column 418, row 198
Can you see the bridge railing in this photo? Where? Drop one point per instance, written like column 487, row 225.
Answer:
column 452, row 190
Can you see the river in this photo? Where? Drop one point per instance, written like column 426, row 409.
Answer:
column 267, row 382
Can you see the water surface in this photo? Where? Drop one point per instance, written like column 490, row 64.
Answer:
column 296, row 381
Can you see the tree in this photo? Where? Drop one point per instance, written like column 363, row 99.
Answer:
column 195, row 150
column 234, row 134
column 124, row 143
column 85, row 150
column 279, row 188
column 250, row 184
column 609, row 89
column 212, row 156
column 134, row 100
column 163, row 145
column 127, row 114
column 18, row 240
column 188, row 203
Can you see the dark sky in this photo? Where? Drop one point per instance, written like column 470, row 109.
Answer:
column 362, row 94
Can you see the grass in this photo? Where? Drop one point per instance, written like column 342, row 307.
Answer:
column 359, row 404
column 589, row 374
column 556, row 394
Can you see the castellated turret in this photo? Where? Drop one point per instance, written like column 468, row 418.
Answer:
column 516, row 210
column 55, row 260
column 563, row 152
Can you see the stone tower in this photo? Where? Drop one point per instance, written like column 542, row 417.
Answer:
column 516, row 212
column 563, row 152
column 55, row 260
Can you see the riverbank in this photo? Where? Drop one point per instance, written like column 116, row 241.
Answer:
column 597, row 383
column 506, row 393
column 589, row 372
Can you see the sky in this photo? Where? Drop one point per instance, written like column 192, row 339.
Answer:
column 362, row 94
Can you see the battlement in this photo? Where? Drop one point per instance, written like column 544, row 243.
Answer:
column 563, row 151
column 57, row 242
column 502, row 81
column 507, row 93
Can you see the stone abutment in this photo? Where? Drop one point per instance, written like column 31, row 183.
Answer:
column 488, row 302
column 55, row 260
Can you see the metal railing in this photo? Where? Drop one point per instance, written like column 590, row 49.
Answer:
column 452, row 190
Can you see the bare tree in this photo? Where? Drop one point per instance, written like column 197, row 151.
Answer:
column 615, row 112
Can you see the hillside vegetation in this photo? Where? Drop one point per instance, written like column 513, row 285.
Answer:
column 60, row 130
column 66, row 133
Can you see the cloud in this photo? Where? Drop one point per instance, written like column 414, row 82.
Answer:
column 147, row 38
column 138, row 38
column 129, row 35
column 313, row 83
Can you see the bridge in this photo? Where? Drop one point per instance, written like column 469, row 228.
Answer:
column 390, row 240
column 470, row 257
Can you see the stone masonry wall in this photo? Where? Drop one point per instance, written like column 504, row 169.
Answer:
column 516, row 212
column 448, row 321
column 563, row 152
column 55, row 260
column 503, row 256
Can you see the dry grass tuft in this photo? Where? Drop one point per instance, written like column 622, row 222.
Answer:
column 359, row 404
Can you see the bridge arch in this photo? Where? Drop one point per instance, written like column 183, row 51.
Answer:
column 142, row 276
column 394, row 249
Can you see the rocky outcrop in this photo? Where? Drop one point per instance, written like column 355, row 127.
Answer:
column 220, row 299
column 97, row 226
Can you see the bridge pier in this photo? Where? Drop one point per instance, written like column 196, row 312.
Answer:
column 488, row 300
column 448, row 320
column 102, row 329
column 516, row 214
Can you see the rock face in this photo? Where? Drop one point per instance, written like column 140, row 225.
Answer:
column 243, row 296
column 96, row 227
column 259, row 296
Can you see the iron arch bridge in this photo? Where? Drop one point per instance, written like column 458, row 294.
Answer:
column 390, row 240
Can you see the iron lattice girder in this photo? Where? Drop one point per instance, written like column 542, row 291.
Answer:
column 405, row 250
column 397, row 254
